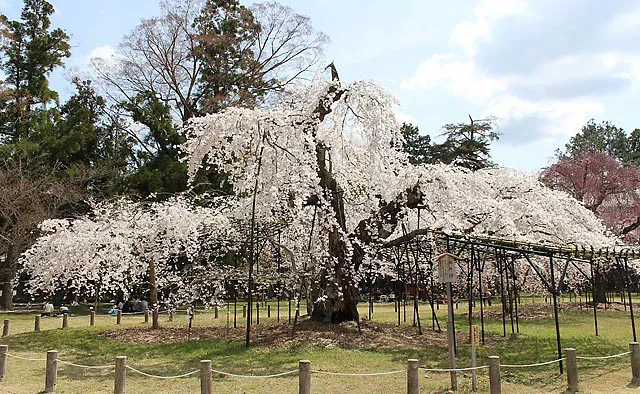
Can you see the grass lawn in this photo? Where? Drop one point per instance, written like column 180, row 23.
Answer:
column 341, row 351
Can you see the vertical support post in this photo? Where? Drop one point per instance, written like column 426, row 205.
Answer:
column 65, row 321
column 257, row 312
column 36, row 325
column 119, row 317
column 474, row 372
column 205, row 377
column 92, row 319
column 634, row 347
column 413, row 386
column 215, row 313
column 5, row 328
column 554, row 291
column 626, row 275
column 4, row 350
column 593, row 292
column 146, row 315
column 495, row 387
column 268, row 310
column 244, row 311
column 121, row 375
column 572, row 371
column 304, row 377
column 51, row 378
column 451, row 339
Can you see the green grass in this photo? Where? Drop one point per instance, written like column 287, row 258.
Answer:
column 535, row 343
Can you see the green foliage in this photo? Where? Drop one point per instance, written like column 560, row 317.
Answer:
column 31, row 52
column 231, row 71
column 416, row 145
column 603, row 137
column 467, row 145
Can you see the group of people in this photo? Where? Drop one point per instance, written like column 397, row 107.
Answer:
column 129, row 306
column 49, row 310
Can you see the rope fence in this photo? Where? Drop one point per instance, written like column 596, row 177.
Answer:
column 304, row 371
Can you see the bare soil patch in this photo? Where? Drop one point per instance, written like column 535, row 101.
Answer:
column 346, row 335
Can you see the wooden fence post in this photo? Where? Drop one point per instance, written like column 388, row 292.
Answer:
column 121, row 375
column 119, row 317
column 65, row 321
column 4, row 350
column 413, row 384
column 304, row 377
column 146, row 315
column 5, row 328
column 36, row 325
column 572, row 370
column 215, row 313
column 268, row 310
column 495, row 386
column 52, row 372
column 634, row 347
column 92, row 319
column 205, row 377
column 244, row 311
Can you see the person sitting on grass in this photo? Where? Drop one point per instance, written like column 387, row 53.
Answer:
column 64, row 310
column 48, row 310
column 113, row 311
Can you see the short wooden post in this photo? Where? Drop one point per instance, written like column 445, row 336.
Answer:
column 205, row 377
column 244, row 311
column 36, row 325
column 92, row 318
column 572, row 370
column 4, row 350
column 119, row 317
column 52, row 372
column 215, row 313
column 634, row 347
column 146, row 316
column 304, row 377
column 494, row 375
column 268, row 310
column 121, row 375
column 413, row 384
column 65, row 321
column 5, row 328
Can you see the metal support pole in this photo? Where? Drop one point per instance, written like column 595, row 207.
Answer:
column 451, row 339
column 554, row 291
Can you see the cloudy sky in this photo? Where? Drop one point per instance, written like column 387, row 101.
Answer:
column 542, row 68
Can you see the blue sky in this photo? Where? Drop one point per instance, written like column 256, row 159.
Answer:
column 542, row 68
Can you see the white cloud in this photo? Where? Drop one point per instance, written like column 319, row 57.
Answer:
column 445, row 72
column 103, row 56
column 404, row 117
column 538, row 77
column 549, row 118
column 103, row 52
column 488, row 12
